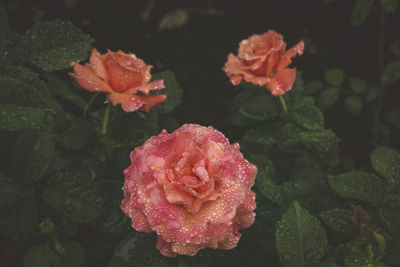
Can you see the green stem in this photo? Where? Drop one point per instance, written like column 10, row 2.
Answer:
column 283, row 104
column 105, row 120
column 88, row 104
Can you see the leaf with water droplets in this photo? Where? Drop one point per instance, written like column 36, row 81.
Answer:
column 386, row 161
column 337, row 219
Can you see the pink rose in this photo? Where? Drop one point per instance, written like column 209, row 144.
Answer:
column 192, row 187
column 263, row 60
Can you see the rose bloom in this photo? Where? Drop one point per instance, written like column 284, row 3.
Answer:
column 124, row 77
column 192, row 187
column 263, row 60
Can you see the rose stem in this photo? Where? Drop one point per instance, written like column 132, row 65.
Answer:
column 283, row 104
column 105, row 120
column 85, row 110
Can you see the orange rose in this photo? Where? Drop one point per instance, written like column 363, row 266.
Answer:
column 124, row 77
column 263, row 60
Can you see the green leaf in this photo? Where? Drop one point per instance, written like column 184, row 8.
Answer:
column 172, row 89
column 393, row 117
column 337, row 219
column 389, row 212
column 267, row 133
column 307, row 115
column 327, row 97
column 395, row 47
column 260, row 107
column 79, row 134
column 380, row 240
column 358, row 185
column 9, row 192
column 74, row 195
column 386, row 162
column 8, row 42
column 22, row 87
column 373, row 93
column 353, row 105
column 14, row 118
column 358, row 85
column 334, row 76
column 32, row 155
column 53, row 45
column 389, row 5
column 300, row 238
column 360, row 11
column 391, row 73
column 312, row 87
column 138, row 249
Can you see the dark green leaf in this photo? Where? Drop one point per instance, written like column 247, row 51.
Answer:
column 172, row 89
column 312, row 87
column 386, row 161
column 14, row 118
column 3, row 18
column 139, row 250
column 260, row 107
column 360, row 11
column 74, row 195
column 389, row 211
column 337, row 219
column 307, row 115
column 327, row 97
column 358, row 85
column 42, row 256
column 391, row 73
column 353, row 105
column 393, row 117
column 389, row 5
column 380, row 240
column 300, row 238
column 373, row 93
column 53, row 45
column 8, row 42
column 73, row 254
column 9, row 191
column 358, row 185
column 334, row 76
column 267, row 133
column 79, row 134
column 395, row 47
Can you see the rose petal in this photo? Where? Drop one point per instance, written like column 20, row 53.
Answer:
column 151, row 101
column 129, row 103
column 96, row 64
column 88, row 79
column 282, row 82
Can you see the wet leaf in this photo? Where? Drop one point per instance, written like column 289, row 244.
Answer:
column 172, row 89
column 260, row 107
column 360, row 11
column 389, row 212
column 334, row 76
column 358, row 185
column 337, row 219
column 300, row 238
column 386, row 161
column 267, row 133
column 307, row 115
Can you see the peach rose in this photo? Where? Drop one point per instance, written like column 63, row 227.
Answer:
column 263, row 60
column 124, row 77
column 192, row 187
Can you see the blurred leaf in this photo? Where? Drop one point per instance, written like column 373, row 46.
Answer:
column 358, row 185
column 9, row 191
column 312, row 87
column 3, row 18
column 334, row 76
column 53, row 45
column 373, row 93
column 21, row 86
column 393, row 117
column 386, row 162
column 8, row 42
column 31, row 156
column 327, row 97
column 353, row 105
column 389, row 5
column 74, row 195
column 267, row 133
column 337, row 219
column 233, row 105
column 20, row 219
column 79, row 134
column 260, row 107
column 14, row 118
column 307, row 115
column 172, row 89
column 44, row 255
column 138, row 249
column 358, row 85
column 395, row 47
column 380, row 240
column 391, row 73
column 300, row 238
column 112, row 220
column 389, row 212
column 360, row 11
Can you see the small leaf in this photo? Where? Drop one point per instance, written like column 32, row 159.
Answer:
column 312, row 87
column 380, row 240
column 389, row 212
column 334, row 76
column 74, row 195
column 300, row 238
column 358, row 85
column 172, row 89
column 307, row 115
column 389, row 5
column 395, row 47
column 353, row 105
column 391, row 73
column 53, row 45
column 358, row 185
column 360, row 11
column 373, row 93
column 267, row 133
column 42, row 256
column 386, row 161
column 14, row 118
column 9, row 191
column 337, row 219
column 260, row 107
column 327, row 97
